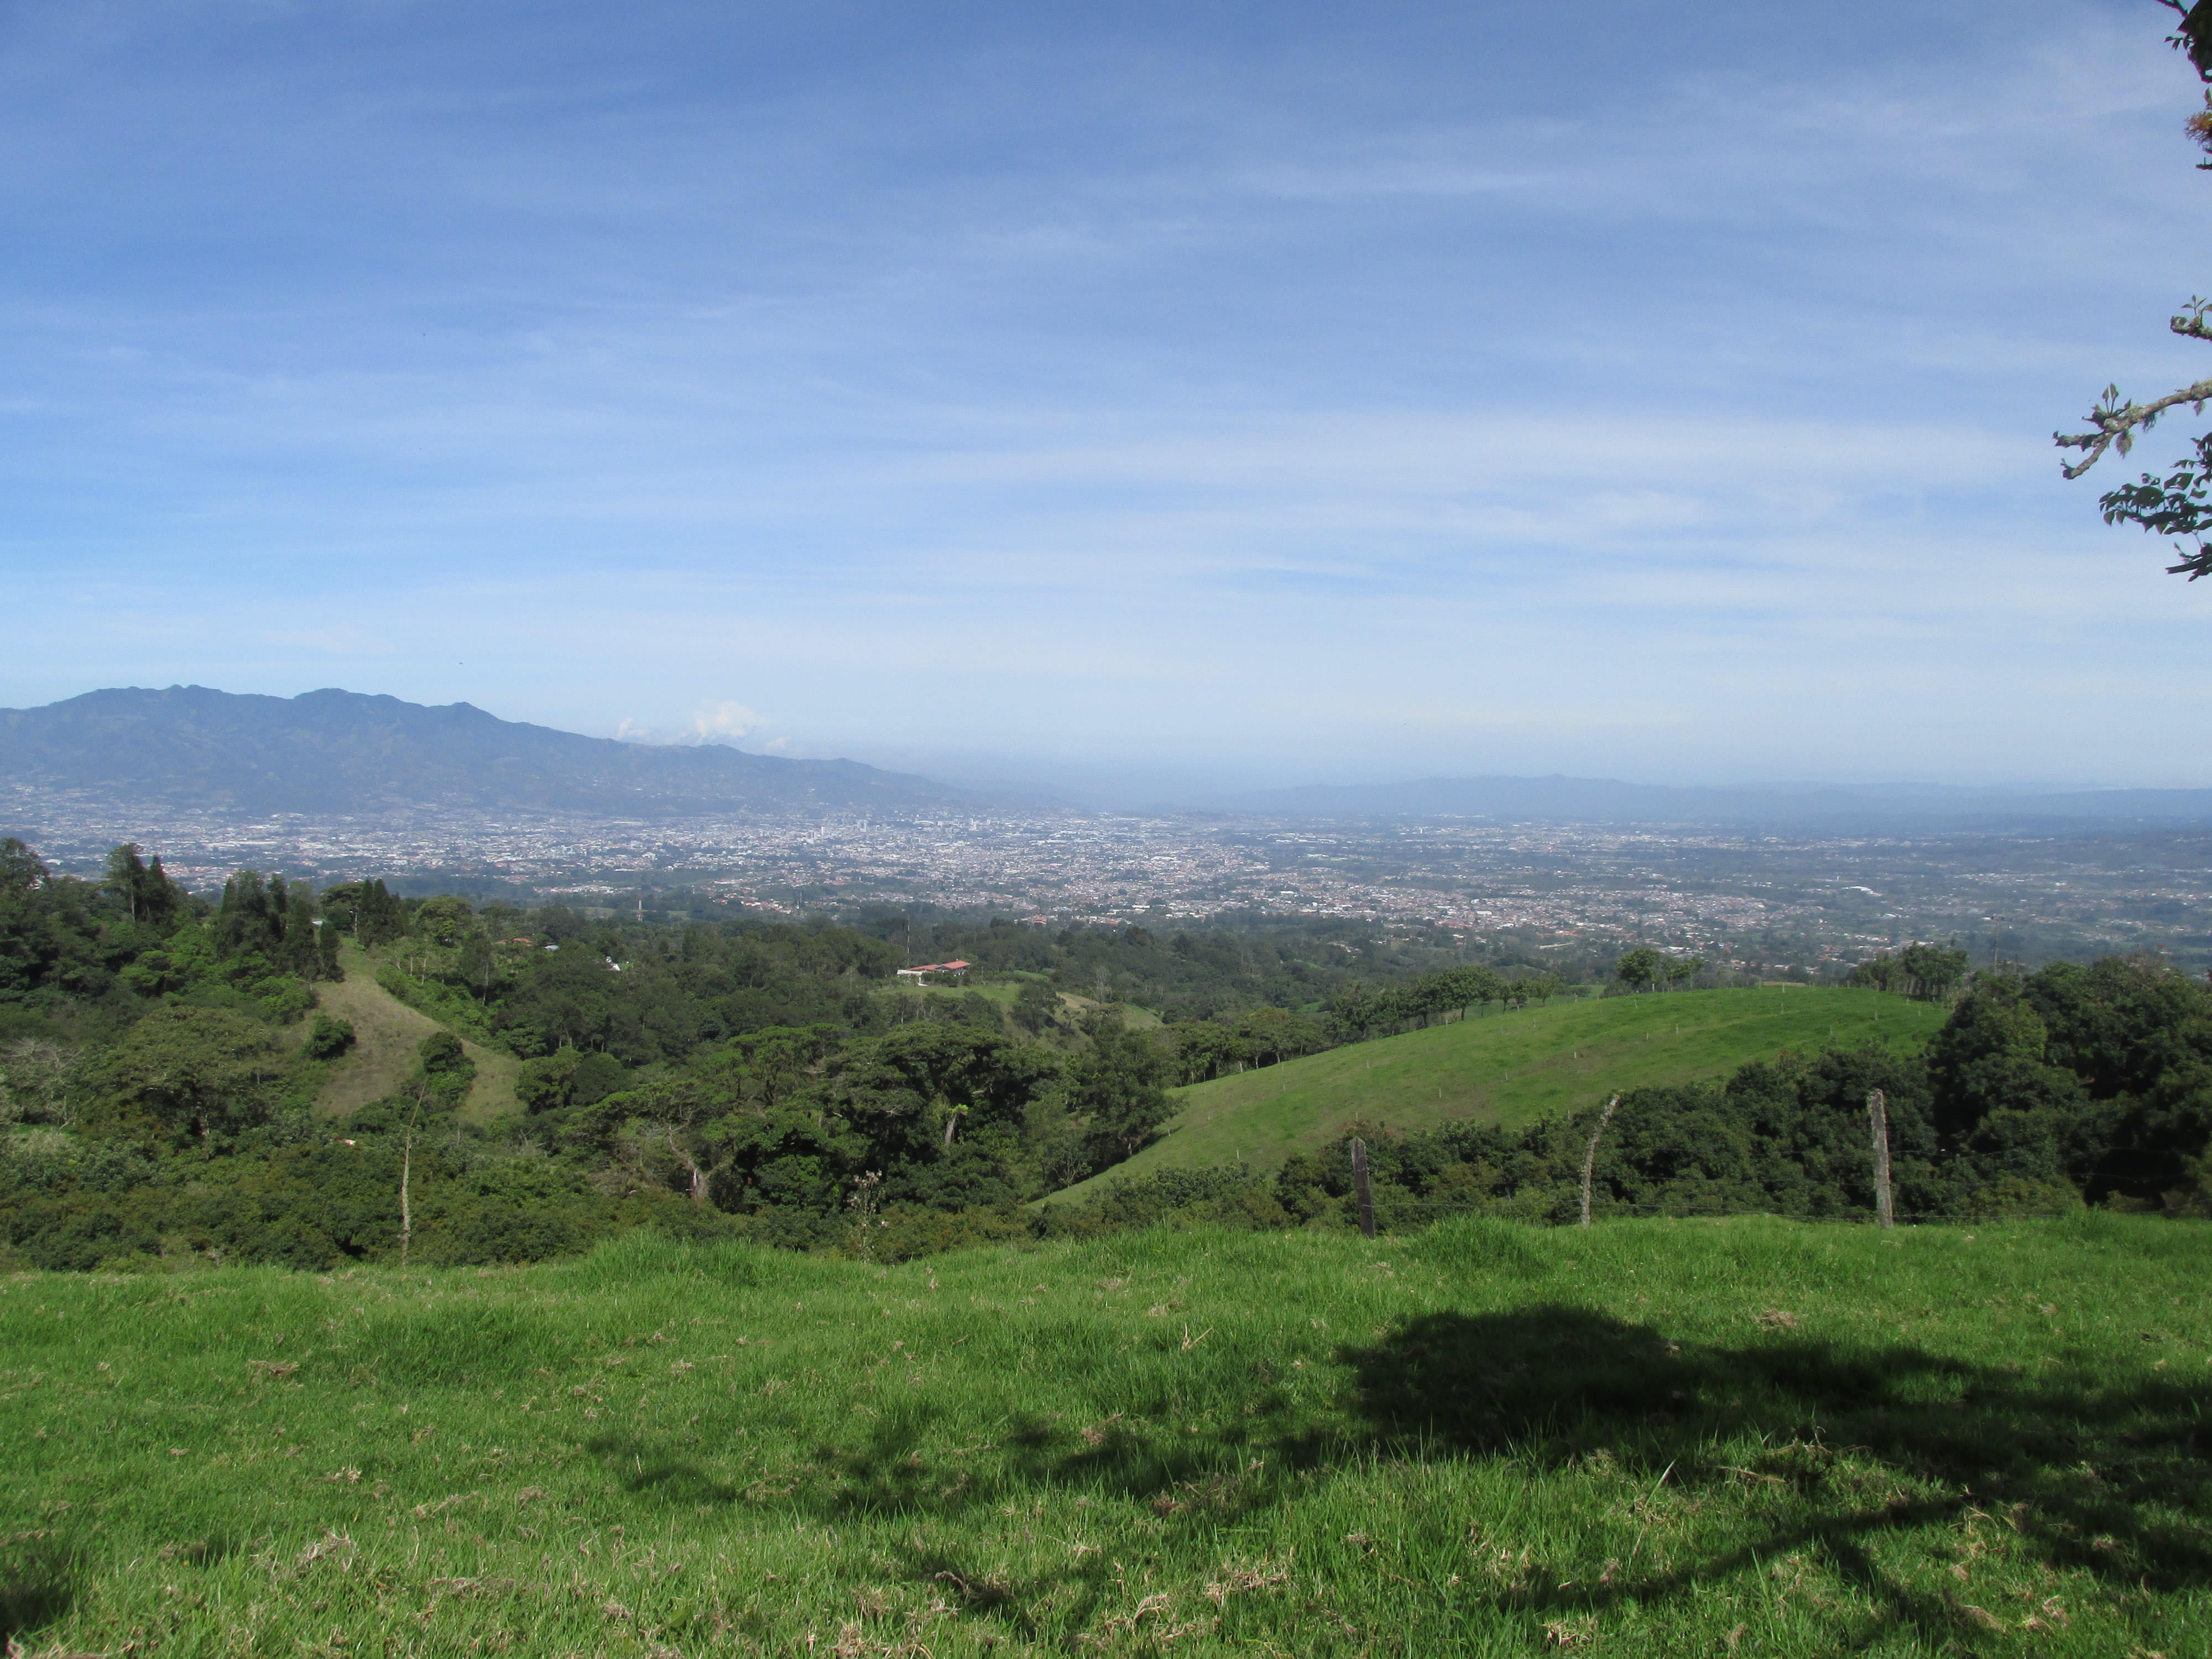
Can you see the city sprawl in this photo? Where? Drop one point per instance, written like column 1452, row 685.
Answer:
column 1764, row 903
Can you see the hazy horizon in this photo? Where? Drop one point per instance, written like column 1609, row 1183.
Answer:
column 1126, row 785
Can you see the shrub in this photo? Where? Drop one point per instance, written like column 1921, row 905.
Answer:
column 328, row 1038
column 447, row 1066
column 2016, row 1198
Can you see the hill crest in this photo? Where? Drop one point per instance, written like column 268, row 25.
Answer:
column 1510, row 1069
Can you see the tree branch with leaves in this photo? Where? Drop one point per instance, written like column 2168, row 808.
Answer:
column 2180, row 503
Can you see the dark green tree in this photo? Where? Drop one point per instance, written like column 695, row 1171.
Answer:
column 145, row 891
column 1643, row 969
column 19, row 869
column 1118, row 1088
column 1934, row 971
column 446, row 1067
column 1470, row 988
column 301, row 953
column 445, row 919
column 1204, row 1049
column 1525, row 988
column 196, row 1075
column 476, row 963
column 1037, row 1006
column 328, row 1038
column 250, row 920
column 364, row 910
column 1357, row 1009
column 1279, row 1033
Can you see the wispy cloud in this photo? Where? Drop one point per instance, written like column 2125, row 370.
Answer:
column 1397, row 386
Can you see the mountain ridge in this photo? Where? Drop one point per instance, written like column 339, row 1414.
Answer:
column 338, row 751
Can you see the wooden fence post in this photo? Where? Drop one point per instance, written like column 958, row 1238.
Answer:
column 1589, row 1158
column 1360, row 1188
column 1885, row 1206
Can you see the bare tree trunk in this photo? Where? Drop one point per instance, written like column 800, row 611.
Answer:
column 407, row 1168
column 1360, row 1187
column 1589, row 1158
column 1885, row 1206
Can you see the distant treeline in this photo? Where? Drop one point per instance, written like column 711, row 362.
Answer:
column 1931, row 971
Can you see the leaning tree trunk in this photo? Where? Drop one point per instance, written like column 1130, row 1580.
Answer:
column 1589, row 1158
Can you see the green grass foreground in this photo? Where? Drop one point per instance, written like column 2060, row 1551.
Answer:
column 1512, row 1069
column 1698, row 1438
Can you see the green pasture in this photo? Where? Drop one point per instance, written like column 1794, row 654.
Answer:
column 1513, row 1068
column 1739, row 1436
column 1005, row 992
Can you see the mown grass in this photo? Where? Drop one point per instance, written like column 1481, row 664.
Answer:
column 1698, row 1438
column 1511, row 1069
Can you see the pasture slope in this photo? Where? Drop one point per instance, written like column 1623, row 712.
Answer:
column 388, row 1034
column 1511, row 1069
column 1735, row 1437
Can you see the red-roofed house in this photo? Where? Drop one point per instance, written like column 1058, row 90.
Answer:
column 958, row 969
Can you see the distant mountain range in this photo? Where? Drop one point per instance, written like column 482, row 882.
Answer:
column 341, row 752
column 1874, row 808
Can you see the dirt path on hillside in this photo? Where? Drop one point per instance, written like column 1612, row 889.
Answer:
column 386, row 1035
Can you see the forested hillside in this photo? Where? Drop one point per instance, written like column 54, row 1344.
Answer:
column 168, row 1071
column 172, row 1091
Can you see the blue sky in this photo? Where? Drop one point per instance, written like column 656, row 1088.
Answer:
column 1268, row 392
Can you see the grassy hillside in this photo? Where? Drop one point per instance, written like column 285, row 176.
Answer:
column 1703, row 1437
column 1004, row 992
column 1513, row 1068
column 386, row 1035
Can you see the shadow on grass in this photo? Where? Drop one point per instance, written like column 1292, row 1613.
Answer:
column 1855, row 1444
column 645, row 1469
column 37, row 1587
column 2107, row 1480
